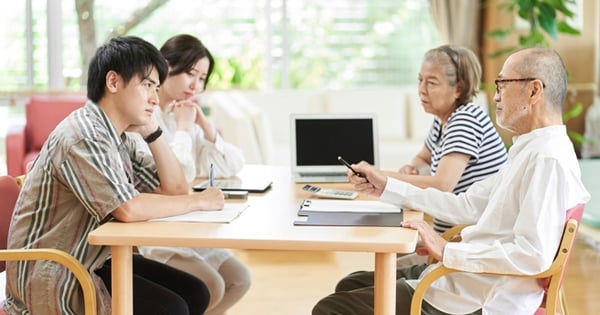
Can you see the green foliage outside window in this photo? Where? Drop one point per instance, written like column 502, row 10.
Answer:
column 329, row 44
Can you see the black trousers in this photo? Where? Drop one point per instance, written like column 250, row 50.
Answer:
column 355, row 295
column 162, row 290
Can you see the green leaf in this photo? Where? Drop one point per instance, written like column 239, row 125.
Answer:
column 560, row 6
column 502, row 51
column 525, row 8
column 575, row 136
column 487, row 87
column 547, row 18
column 546, row 10
column 565, row 28
column 573, row 112
column 499, row 34
column 536, row 38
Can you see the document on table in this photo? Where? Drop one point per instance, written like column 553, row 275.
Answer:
column 348, row 213
column 228, row 214
column 362, row 206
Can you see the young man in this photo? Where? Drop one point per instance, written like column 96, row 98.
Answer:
column 517, row 215
column 90, row 172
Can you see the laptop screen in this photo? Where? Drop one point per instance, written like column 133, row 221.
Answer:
column 318, row 139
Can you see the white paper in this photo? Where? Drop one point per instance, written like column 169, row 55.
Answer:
column 228, row 214
column 368, row 206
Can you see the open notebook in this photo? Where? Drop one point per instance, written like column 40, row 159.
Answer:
column 318, row 139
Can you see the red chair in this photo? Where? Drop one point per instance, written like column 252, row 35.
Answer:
column 550, row 280
column 42, row 114
column 9, row 191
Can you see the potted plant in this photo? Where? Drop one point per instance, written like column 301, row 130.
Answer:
column 546, row 18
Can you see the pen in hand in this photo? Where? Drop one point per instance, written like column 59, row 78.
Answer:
column 348, row 166
column 211, row 176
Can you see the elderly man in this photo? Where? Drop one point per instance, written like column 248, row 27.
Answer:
column 517, row 215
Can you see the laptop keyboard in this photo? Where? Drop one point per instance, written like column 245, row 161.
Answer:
column 324, row 177
column 323, row 174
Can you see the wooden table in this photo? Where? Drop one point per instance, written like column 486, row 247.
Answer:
column 266, row 224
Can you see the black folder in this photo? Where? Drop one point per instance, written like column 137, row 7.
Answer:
column 350, row 219
column 315, row 212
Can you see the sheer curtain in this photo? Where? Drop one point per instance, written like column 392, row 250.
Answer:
column 458, row 22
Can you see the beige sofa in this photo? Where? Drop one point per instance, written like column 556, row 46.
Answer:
column 258, row 121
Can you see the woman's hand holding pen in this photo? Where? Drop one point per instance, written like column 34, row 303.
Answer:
column 372, row 181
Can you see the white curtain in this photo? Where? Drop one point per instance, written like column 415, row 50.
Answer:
column 458, row 21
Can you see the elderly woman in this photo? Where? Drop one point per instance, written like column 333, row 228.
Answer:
column 462, row 146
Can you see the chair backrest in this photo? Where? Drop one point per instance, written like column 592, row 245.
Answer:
column 573, row 213
column 9, row 191
column 553, row 283
column 44, row 112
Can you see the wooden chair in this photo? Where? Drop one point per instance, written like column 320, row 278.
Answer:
column 550, row 280
column 9, row 191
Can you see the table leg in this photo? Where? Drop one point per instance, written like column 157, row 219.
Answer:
column 385, row 283
column 122, row 280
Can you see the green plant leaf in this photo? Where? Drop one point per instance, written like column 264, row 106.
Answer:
column 525, row 8
column 546, row 10
column 560, row 6
column 536, row 38
column 573, row 112
column 508, row 6
column 576, row 136
column 542, row 13
column 499, row 34
column 548, row 24
column 487, row 87
column 502, row 51
column 565, row 28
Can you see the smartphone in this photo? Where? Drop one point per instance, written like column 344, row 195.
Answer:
column 236, row 194
column 341, row 159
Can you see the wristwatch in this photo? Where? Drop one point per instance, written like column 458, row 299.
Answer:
column 153, row 136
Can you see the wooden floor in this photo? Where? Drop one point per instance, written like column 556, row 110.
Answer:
column 292, row 282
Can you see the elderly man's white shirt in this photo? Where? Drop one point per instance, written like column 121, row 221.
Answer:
column 517, row 218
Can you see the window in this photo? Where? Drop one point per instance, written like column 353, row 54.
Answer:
column 257, row 44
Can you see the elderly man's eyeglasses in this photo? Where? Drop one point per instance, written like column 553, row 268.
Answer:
column 500, row 82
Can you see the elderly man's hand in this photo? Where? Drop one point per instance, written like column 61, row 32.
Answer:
column 371, row 180
column 433, row 243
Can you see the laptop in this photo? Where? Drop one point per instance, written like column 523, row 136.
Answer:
column 318, row 139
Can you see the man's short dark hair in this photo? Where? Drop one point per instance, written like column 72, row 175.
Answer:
column 129, row 56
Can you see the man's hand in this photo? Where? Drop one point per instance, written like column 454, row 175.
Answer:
column 371, row 182
column 146, row 129
column 433, row 243
column 212, row 198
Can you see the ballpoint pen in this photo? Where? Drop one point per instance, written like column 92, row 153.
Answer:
column 211, row 176
column 349, row 166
